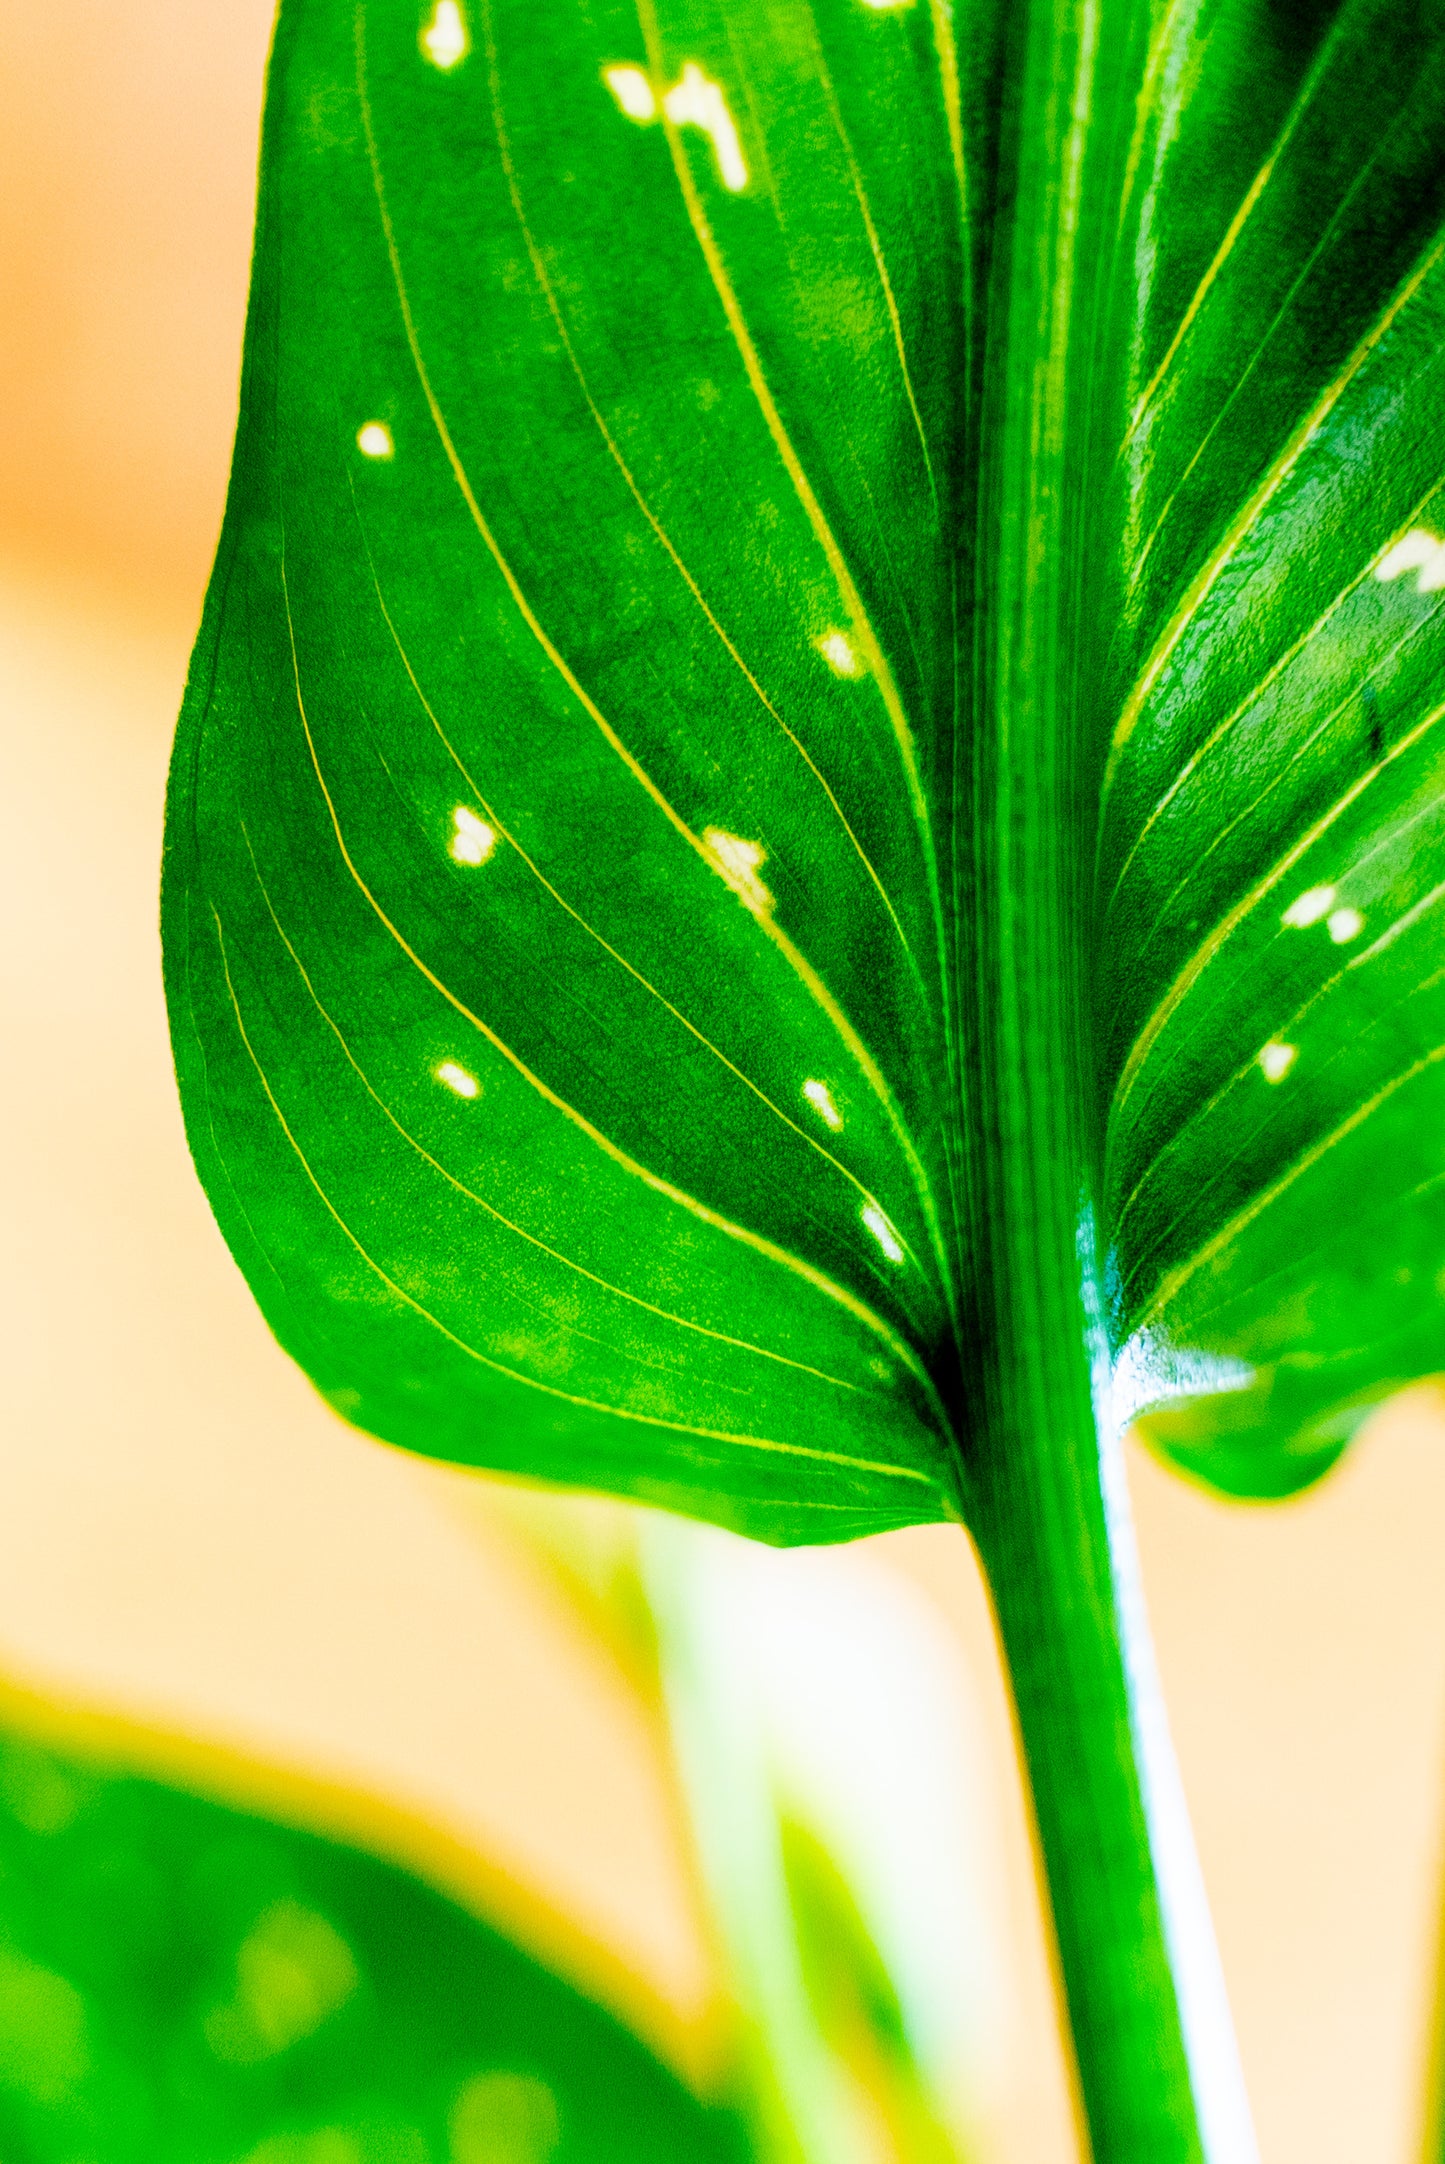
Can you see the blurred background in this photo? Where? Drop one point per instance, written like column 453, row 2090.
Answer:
column 194, row 1552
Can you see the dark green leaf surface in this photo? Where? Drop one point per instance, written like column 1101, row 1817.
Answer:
column 555, row 907
column 1273, row 1006
column 560, row 919
column 183, row 1983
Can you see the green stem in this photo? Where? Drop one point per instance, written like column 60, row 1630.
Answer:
column 1044, row 1506
column 1043, row 1485
column 1156, row 2067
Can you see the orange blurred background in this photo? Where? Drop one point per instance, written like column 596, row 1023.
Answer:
column 190, row 1542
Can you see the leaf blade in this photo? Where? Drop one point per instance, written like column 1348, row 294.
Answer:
column 351, row 576
column 1278, row 733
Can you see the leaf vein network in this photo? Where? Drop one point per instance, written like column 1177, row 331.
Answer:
column 1248, row 204
column 494, row 817
column 1209, row 948
column 1257, row 691
column 809, row 976
column 569, row 1262
column 532, row 1382
column 1274, row 478
column 743, row 1233
column 1172, row 1284
column 679, row 563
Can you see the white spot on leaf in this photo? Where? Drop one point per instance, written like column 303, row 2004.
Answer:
column 456, row 1078
column 1345, row 925
column 1276, row 1060
column 696, row 102
column 738, row 862
column 820, row 1097
column 883, row 1232
column 373, row 440
column 446, row 39
column 837, row 651
column 1310, row 907
column 1419, row 551
column 472, row 839
column 632, row 91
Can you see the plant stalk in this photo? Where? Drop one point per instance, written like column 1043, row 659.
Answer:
column 1157, row 2069
column 1043, row 1480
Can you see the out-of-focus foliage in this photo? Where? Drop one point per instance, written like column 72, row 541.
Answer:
column 856, row 2003
column 186, row 1983
column 816, row 1724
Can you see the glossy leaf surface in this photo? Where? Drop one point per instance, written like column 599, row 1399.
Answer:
column 1272, row 1003
column 670, row 493
column 559, row 924
column 184, row 1981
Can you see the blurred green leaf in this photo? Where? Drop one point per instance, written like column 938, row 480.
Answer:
column 855, row 2002
column 816, row 1725
column 819, row 1725
column 186, row 1983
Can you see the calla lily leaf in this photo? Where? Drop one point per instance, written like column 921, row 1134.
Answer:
column 1272, row 846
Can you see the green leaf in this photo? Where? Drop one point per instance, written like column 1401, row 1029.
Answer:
column 558, row 908
column 186, row 1983
column 810, row 791
column 554, row 902
column 855, row 2004
column 1271, row 1003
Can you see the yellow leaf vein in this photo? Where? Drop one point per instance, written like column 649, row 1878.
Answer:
column 808, row 975
column 568, row 1262
column 497, row 1367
